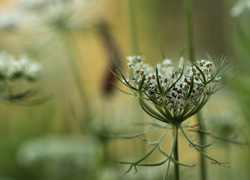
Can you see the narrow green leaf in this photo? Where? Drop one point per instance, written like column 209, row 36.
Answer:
column 168, row 117
column 141, row 84
column 182, row 53
column 162, row 54
column 191, row 86
column 203, row 75
column 123, row 82
column 221, row 64
column 155, row 164
column 149, row 110
column 158, row 81
column 173, row 84
column 120, row 89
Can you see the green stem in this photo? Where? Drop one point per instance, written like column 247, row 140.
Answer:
column 176, row 155
column 202, row 137
column 191, row 53
column 190, row 35
column 71, row 54
column 133, row 31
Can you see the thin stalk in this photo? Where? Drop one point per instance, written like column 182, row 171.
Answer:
column 202, row 137
column 191, row 53
column 176, row 155
column 134, row 42
column 133, row 29
column 71, row 54
column 190, row 34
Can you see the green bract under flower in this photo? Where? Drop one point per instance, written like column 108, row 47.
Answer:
column 176, row 93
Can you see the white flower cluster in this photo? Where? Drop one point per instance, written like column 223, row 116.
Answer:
column 177, row 89
column 22, row 68
column 38, row 4
column 240, row 7
column 61, row 14
column 40, row 14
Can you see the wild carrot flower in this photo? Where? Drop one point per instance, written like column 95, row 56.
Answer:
column 171, row 95
column 177, row 93
column 62, row 15
column 14, row 69
column 9, row 20
column 240, row 7
column 48, row 15
column 13, row 73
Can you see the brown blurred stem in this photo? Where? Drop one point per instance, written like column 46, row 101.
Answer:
column 191, row 53
column 113, row 54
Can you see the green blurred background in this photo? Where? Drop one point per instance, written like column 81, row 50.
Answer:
column 69, row 136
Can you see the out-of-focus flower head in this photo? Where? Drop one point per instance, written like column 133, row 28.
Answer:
column 40, row 15
column 9, row 20
column 74, row 153
column 240, row 7
column 59, row 14
column 22, row 68
column 17, row 79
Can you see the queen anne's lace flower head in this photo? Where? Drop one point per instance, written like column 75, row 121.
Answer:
column 59, row 15
column 240, row 7
column 22, row 68
column 176, row 93
column 17, row 77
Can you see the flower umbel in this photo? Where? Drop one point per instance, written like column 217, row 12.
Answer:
column 15, row 74
column 22, row 68
column 171, row 95
column 177, row 93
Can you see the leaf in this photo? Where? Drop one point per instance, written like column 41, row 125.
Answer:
column 158, row 81
column 203, row 75
column 191, row 86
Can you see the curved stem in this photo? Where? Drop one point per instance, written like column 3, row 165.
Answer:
column 176, row 155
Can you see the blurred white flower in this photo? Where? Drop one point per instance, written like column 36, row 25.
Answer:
column 47, row 15
column 56, row 14
column 9, row 20
column 32, row 70
column 58, row 148
column 240, row 7
column 22, row 68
